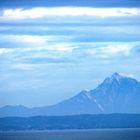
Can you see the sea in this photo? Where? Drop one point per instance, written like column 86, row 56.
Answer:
column 96, row 134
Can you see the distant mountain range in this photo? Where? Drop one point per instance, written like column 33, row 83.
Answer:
column 116, row 94
column 70, row 122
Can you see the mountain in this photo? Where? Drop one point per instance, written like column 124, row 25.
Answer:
column 70, row 122
column 116, row 94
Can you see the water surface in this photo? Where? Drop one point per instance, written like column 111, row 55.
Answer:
column 97, row 134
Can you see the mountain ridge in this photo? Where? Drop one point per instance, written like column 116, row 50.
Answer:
column 116, row 94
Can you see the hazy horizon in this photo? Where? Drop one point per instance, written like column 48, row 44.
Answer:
column 51, row 53
column 82, row 90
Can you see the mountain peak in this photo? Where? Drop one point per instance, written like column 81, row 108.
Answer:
column 116, row 76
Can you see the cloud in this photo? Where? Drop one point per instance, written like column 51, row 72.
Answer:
column 33, row 39
column 116, row 49
column 24, row 38
column 42, row 49
column 35, row 49
column 109, row 50
column 128, row 75
column 62, row 52
column 24, row 66
column 62, row 47
column 35, row 13
column 36, row 44
column 5, row 50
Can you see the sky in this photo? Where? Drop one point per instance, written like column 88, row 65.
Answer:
column 51, row 53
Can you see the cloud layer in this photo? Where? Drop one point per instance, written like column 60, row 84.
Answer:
column 67, row 11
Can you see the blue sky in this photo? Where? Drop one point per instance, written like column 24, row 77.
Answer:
column 48, row 54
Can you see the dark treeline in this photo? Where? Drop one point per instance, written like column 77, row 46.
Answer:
column 70, row 122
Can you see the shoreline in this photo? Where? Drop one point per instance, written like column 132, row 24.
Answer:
column 69, row 130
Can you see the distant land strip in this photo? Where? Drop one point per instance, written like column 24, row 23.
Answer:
column 70, row 122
